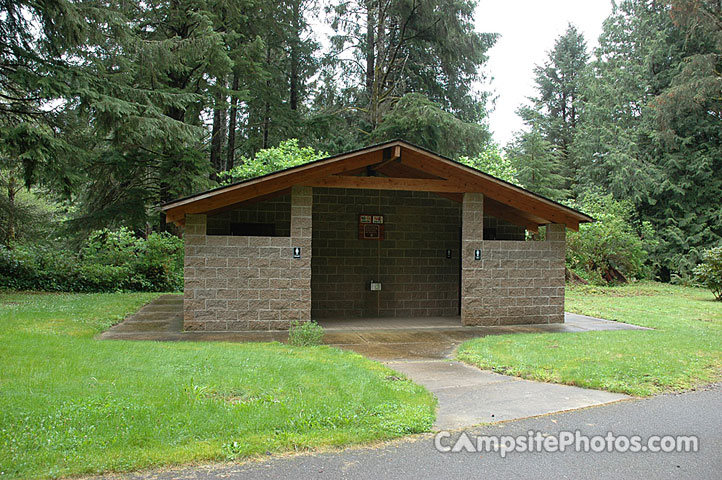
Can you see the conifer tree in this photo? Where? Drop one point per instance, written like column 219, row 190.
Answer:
column 537, row 162
column 554, row 113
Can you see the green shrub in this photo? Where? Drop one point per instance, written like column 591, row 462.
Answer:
column 709, row 272
column 108, row 261
column 286, row 155
column 154, row 264
column 305, row 334
column 492, row 161
column 611, row 244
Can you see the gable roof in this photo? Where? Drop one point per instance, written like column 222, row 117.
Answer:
column 394, row 165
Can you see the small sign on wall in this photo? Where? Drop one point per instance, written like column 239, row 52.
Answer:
column 370, row 227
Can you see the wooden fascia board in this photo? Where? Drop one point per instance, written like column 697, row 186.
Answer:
column 463, row 170
column 413, row 163
column 321, row 168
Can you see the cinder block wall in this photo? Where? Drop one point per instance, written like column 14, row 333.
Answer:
column 417, row 279
column 515, row 282
column 242, row 283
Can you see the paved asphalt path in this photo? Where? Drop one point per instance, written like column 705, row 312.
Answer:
column 695, row 413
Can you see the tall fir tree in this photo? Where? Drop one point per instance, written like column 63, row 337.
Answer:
column 397, row 47
column 554, row 113
column 172, row 51
column 650, row 132
column 537, row 163
column 113, row 96
column 688, row 121
column 275, row 74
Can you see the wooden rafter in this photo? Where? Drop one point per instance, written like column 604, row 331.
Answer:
column 400, row 170
column 496, row 190
column 262, row 198
column 262, row 186
column 517, row 217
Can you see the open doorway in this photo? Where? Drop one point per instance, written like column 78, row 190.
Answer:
column 416, row 262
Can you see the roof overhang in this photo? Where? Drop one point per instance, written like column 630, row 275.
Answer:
column 395, row 165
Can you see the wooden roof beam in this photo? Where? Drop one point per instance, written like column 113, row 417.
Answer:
column 407, row 163
column 388, row 183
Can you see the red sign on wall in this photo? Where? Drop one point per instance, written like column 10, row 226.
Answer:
column 370, row 227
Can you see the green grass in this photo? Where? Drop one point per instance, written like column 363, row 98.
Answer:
column 70, row 404
column 683, row 351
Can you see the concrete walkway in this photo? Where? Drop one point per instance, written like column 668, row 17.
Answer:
column 418, row 348
column 469, row 396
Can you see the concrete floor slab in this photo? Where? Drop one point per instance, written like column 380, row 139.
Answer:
column 389, row 323
column 343, row 338
column 404, row 336
column 380, row 339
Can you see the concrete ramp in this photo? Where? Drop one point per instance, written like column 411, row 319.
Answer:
column 469, row 396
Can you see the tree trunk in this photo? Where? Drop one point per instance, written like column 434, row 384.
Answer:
column 231, row 153
column 12, row 191
column 266, row 124
column 217, row 131
column 295, row 45
column 370, row 44
column 224, row 135
column 178, row 114
column 164, row 197
column 379, row 49
column 266, row 105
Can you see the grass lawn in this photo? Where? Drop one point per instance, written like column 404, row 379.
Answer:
column 70, row 404
column 683, row 351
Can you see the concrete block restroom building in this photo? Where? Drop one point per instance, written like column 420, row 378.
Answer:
column 388, row 231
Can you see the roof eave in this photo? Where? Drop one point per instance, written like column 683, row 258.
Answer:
column 573, row 213
column 218, row 190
